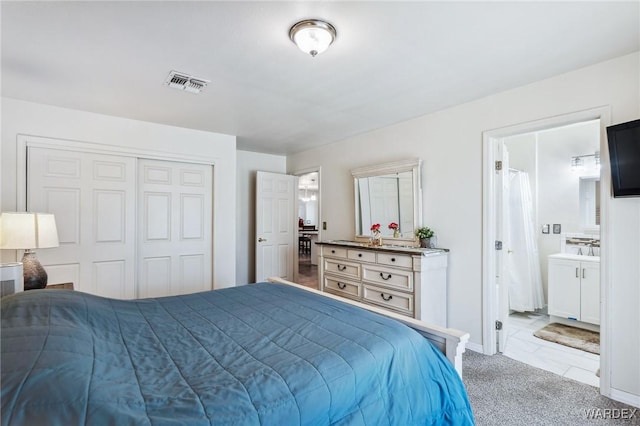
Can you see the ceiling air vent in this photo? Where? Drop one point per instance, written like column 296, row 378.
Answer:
column 181, row 81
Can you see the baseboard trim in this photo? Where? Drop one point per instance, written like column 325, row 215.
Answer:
column 621, row 396
column 475, row 347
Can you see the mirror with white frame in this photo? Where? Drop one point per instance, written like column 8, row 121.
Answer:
column 387, row 193
column 590, row 203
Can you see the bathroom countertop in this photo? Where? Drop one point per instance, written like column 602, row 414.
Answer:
column 571, row 256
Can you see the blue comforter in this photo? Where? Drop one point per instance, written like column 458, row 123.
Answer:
column 260, row 354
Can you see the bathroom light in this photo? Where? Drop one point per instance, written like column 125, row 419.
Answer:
column 577, row 162
column 312, row 36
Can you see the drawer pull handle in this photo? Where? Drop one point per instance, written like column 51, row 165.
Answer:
column 359, row 254
column 383, row 277
column 393, row 259
column 577, row 273
column 583, row 272
column 386, row 299
column 342, row 286
column 333, row 252
column 341, row 267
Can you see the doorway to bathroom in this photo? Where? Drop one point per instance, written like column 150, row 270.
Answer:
column 551, row 228
column 309, row 227
column 544, row 228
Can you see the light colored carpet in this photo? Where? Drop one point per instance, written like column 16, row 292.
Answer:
column 503, row 392
column 574, row 337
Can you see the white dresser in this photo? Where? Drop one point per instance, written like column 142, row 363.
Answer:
column 409, row 281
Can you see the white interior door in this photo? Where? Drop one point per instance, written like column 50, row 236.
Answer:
column 276, row 225
column 93, row 199
column 502, row 237
column 174, row 228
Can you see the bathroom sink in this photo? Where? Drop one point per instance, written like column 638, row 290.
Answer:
column 571, row 256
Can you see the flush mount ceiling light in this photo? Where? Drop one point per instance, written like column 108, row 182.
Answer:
column 312, row 36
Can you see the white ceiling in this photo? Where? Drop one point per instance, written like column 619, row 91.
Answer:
column 390, row 62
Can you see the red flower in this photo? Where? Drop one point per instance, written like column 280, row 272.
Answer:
column 393, row 225
column 375, row 227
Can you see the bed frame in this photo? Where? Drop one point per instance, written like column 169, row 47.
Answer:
column 448, row 340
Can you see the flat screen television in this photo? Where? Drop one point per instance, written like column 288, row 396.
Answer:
column 624, row 153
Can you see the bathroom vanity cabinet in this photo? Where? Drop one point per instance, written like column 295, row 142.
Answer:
column 409, row 281
column 574, row 287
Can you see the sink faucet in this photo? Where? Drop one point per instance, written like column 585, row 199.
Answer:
column 590, row 250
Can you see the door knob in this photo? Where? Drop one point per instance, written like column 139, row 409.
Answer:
column 261, row 239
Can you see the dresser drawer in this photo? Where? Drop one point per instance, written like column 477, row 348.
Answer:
column 395, row 300
column 341, row 287
column 394, row 259
column 337, row 266
column 334, row 251
column 391, row 277
column 362, row 255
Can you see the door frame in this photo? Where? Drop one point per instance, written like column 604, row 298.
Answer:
column 489, row 293
column 298, row 173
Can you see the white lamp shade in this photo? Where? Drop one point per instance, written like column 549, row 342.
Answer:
column 25, row 231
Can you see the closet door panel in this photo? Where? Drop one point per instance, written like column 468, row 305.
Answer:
column 64, row 203
column 176, row 213
column 157, row 216
column 93, row 199
column 109, row 278
column 110, row 216
column 155, row 277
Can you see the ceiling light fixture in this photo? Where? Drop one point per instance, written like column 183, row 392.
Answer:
column 312, row 36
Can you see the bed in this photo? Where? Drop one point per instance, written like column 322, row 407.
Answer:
column 267, row 353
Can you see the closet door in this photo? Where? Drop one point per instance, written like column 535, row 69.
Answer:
column 93, row 199
column 174, row 228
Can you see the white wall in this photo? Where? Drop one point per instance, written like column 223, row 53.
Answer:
column 19, row 117
column 450, row 145
column 247, row 165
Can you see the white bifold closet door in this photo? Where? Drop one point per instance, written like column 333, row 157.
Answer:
column 93, row 199
column 124, row 234
column 174, row 232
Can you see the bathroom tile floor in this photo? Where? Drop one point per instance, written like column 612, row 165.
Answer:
column 568, row 362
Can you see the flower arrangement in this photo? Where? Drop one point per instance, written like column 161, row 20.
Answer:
column 376, row 238
column 424, row 232
column 393, row 226
column 396, row 230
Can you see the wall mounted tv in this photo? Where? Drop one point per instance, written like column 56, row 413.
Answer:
column 624, row 153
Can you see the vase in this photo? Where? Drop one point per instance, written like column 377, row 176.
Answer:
column 396, row 233
column 376, row 239
column 425, row 242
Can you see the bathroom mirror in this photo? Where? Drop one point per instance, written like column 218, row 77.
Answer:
column 388, row 193
column 590, row 203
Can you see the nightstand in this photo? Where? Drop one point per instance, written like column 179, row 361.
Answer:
column 61, row 286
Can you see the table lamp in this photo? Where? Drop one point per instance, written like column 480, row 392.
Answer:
column 28, row 231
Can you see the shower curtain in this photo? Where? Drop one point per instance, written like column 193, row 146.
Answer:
column 523, row 261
